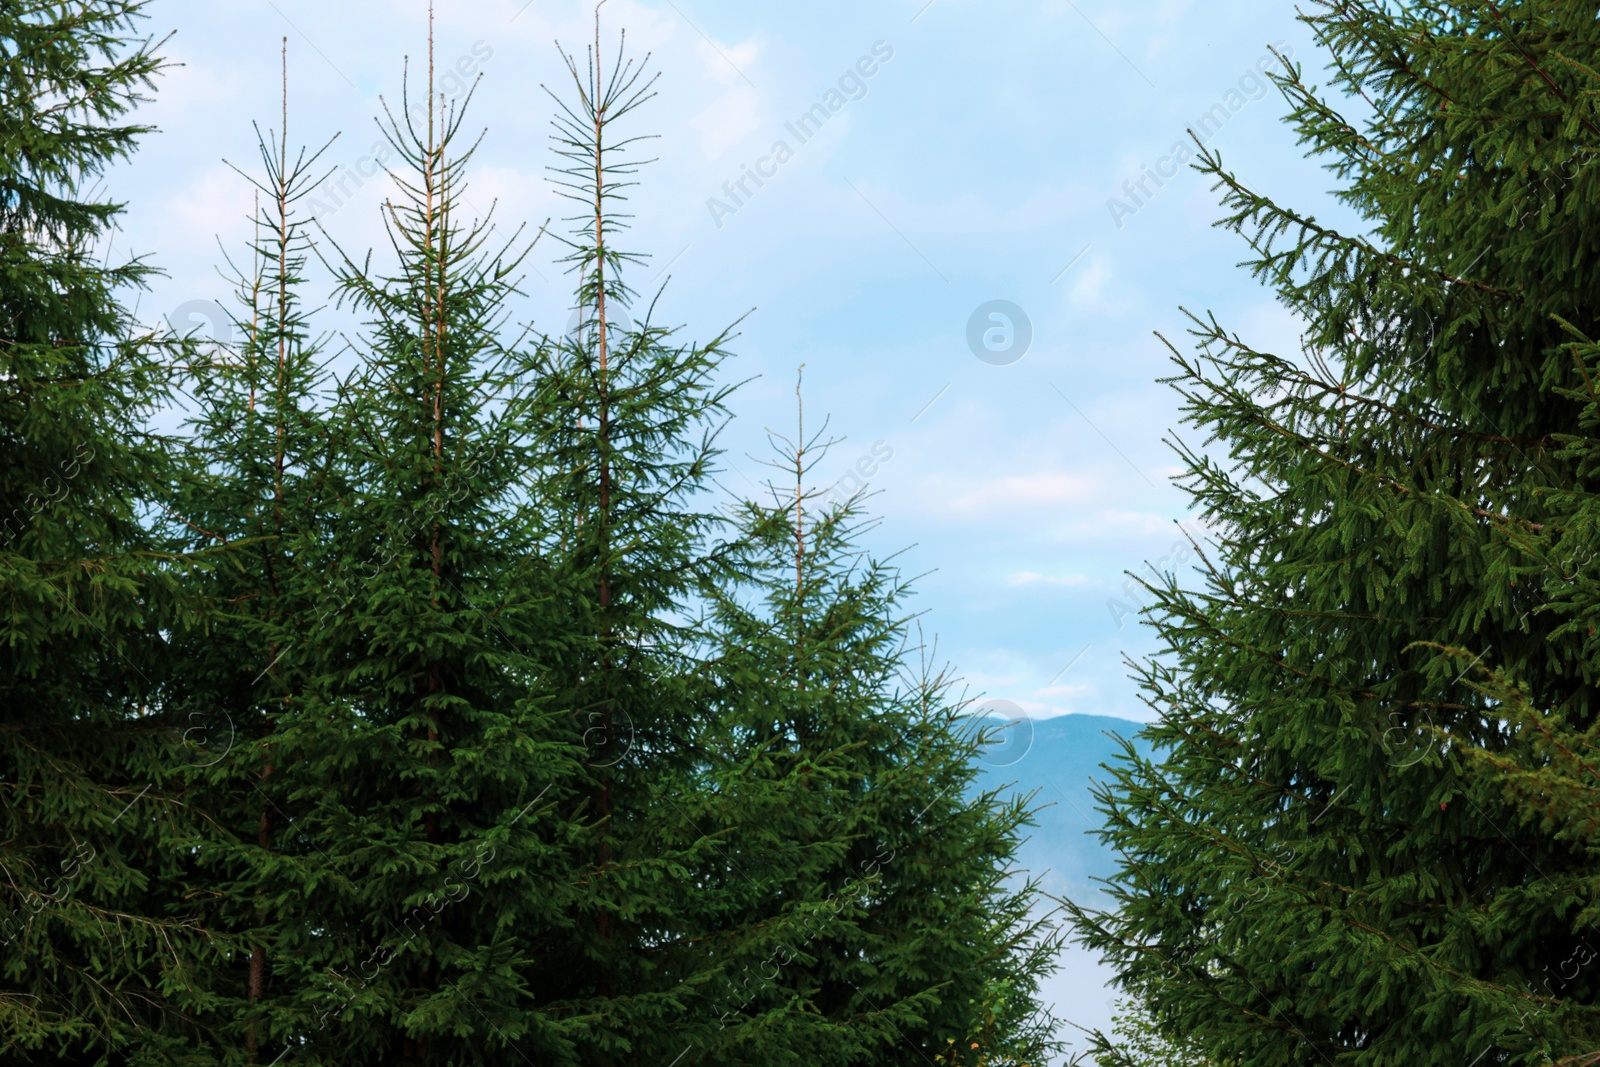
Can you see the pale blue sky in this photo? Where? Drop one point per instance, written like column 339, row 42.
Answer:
column 976, row 162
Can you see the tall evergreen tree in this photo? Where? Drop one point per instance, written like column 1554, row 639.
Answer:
column 895, row 935
column 628, row 422
column 442, row 759
column 252, row 515
column 734, row 817
column 1338, row 855
column 409, row 892
column 99, row 957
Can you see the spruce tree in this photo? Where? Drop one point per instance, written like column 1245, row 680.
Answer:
column 749, row 761
column 250, row 517
column 1357, row 843
column 409, row 891
column 100, row 955
column 445, row 762
column 895, row 935
column 1138, row 1042
column 628, row 419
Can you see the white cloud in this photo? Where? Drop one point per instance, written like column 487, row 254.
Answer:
column 1037, row 710
column 517, row 195
column 1022, row 491
column 1035, row 578
column 1064, row 691
column 217, row 202
column 1088, row 292
column 1167, row 13
column 736, row 112
column 193, row 85
column 729, row 64
column 1140, row 521
column 729, row 119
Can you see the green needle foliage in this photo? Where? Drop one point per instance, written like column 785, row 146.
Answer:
column 251, row 516
column 419, row 754
column 752, row 760
column 1359, row 842
column 98, row 952
column 628, row 420
column 1138, row 1042
column 894, row 936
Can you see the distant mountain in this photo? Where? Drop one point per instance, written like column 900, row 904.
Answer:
column 1059, row 758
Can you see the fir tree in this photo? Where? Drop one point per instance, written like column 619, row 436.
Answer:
column 1138, row 1042
column 728, row 812
column 894, row 935
column 252, row 515
column 628, row 424
column 442, row 758
column 1339, row 853
column 100, row 956
column 410, row 904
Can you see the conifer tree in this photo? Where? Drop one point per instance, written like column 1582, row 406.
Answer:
column 1361, row 840
column 895, row 935
column 711, row 840
column 1139, row 1043
column 628, row 418
column 252, row 516
column 99, row 956
column 444, row 764
column 418, row 873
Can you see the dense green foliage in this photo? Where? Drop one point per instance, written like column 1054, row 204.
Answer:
column 900, row 928
column 247, row 515
column 98, row 949
column 1136, row 1041
column 461, row 725
column 1366, row 836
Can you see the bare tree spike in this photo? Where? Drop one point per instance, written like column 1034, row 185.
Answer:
column 799, row 484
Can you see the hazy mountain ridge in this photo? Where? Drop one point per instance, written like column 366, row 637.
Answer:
column 1059, row 766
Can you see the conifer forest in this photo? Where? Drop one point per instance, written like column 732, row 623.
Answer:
column 393, row 674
